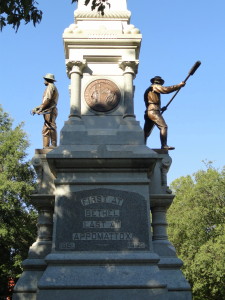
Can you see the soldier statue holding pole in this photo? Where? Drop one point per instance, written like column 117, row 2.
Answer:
column 154, row 111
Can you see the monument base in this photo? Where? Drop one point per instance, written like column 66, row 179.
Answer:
column 26, row 287
column 110, row 276
column 109, row 294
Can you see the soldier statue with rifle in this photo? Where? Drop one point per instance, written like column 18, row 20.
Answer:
column 153, row 113
column 49, row 111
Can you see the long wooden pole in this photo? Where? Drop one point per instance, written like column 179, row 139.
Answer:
column 190, row 73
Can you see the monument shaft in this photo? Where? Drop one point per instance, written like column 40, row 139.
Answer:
column 98, row 187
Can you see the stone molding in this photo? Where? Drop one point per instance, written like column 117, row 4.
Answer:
column 161, row 200
column 78, row 29
column 121, row 15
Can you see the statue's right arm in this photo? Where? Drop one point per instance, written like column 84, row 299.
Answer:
column 166, row 89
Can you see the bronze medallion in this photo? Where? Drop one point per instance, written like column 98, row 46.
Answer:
column 102, row 95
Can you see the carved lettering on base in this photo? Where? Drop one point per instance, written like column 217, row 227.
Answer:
column 102, row 219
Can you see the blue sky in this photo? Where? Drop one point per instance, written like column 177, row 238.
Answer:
column 176, row 34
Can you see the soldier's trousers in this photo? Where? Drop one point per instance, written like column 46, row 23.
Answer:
column 154, row 117
column 49, row 130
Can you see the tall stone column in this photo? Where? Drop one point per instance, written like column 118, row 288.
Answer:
column 75, row 72
column 129, row 68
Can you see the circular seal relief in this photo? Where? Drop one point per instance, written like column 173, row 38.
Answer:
column 102, row 95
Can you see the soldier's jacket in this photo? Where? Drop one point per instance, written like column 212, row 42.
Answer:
column 50, row 97
column 152, row 95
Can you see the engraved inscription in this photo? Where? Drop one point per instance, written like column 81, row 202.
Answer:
column 136, row 244
column 102, row 219
column 67, row 246
column 105, row 236
column 102, row 199
column 102, row 224
column 101, row 213
column 102, row 95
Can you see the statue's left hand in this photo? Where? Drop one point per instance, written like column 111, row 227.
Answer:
column 38, row 111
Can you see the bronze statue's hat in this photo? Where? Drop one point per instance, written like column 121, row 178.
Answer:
column 49, row 76
column 157, row 79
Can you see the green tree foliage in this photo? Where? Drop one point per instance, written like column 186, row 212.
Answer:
column 17, row 217
column 12, row 12
column 197, row 230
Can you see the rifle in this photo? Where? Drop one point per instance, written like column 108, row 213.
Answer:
column 43, row 112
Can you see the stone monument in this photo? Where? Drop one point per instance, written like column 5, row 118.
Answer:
column 102, row 193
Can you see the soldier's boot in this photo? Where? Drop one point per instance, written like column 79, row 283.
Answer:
column 46, row 141
column 54, row 138
column 163, row 138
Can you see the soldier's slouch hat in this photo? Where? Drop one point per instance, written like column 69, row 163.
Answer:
column 49, row 76
column 157, row 79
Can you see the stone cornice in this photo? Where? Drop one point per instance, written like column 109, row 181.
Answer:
column 120, row 15
column 103, row 30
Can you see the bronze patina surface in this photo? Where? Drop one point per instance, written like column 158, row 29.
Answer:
column 153, row 113
column 102, row 95
column 49, row 110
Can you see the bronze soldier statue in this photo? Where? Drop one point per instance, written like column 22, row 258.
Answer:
column 153, row 113
column 49, row 111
